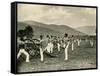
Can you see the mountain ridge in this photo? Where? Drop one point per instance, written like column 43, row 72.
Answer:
column 42, row 28
column 89, row 30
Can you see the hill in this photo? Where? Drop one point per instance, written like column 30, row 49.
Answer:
column 51, row 29
column 89, row 30
column 38, row 30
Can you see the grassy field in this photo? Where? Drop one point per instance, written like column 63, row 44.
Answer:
column 80, row 58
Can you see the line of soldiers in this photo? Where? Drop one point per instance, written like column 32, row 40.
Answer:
column 46, row 44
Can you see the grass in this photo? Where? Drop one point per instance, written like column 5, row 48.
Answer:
column 80, row 58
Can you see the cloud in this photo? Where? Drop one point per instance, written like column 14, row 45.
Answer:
column 73, row 16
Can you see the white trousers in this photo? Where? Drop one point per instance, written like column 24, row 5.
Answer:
column 58, row 45
column 22, row 51
column 49, row 48
column 91, row 43
column 66, row 51
column 41, row 54
column 72, row 46
column 78, row 41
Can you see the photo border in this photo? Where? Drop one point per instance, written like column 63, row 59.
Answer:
column 13, row 32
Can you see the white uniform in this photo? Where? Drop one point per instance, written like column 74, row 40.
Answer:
column 50, row 47
column 78, row 41
column 58, row 45
column 91, row 43
column 72, row 44
column 66, row 51
column 43, row 46
column 46, row 45
column 66, row 45
column 22, row 50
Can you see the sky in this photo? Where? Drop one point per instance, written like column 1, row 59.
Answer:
column 60, row 15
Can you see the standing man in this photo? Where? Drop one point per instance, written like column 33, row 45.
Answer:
column 58, row 43
column 72, row 41
column 66, row 45
column 22, row 50
column 41, row 47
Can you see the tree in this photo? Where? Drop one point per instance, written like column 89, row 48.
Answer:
column 21, row 34
column 29, row 32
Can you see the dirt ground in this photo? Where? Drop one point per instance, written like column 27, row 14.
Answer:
column 80, row 58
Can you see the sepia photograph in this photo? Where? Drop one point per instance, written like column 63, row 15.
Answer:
column 55, row 37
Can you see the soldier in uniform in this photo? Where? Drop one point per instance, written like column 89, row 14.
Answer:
column 43, row 46
column 72, row 41
column 22, row 50
column 66, row 45
column 58, row 43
